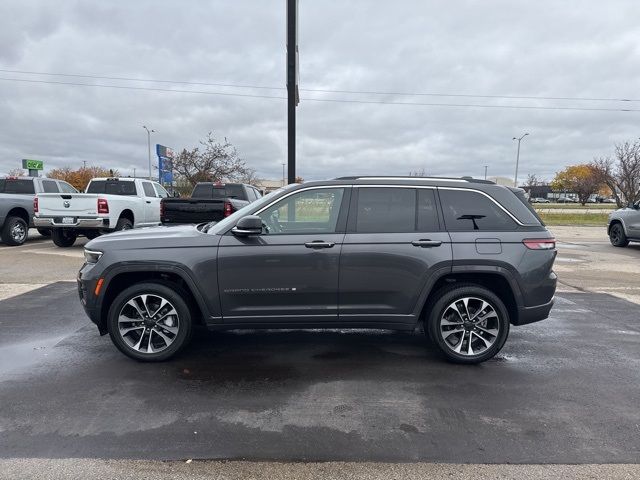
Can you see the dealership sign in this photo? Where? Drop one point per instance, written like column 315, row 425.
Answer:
column 32, row 164
column 165, row 164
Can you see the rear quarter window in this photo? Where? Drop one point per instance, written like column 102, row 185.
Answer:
column 49, row 186
column 468, row 211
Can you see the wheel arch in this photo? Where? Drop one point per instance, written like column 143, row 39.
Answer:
column 118, row 278
column 128, row 214
column 21, row 213
column 497, row 279
column 615, row 221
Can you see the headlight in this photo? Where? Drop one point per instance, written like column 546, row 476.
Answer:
column 92, row 256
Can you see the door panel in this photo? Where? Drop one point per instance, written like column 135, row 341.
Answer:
column 278, row 278
column 290, row 272
column 392, row 248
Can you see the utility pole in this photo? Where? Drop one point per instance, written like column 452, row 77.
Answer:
column 134, row 172
column 485, row 171
column 84, row 163
column 515, row 179
column 283, row 177
column 292, row 85
column 149, row 132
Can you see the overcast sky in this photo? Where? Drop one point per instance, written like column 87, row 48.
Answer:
column 507, row 48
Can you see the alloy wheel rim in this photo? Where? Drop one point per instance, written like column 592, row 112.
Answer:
column 469, row 326
column 18, row 232
column 615, row 233
column 148, row 323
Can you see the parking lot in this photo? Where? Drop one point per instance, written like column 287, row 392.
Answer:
column 561, row 391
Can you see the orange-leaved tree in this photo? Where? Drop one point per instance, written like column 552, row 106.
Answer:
column 583, row 180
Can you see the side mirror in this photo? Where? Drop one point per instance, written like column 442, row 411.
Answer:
column 249, row 225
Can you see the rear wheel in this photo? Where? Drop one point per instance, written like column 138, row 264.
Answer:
column 617, row 236
column 468, row 323
column 150, row 322
column 123, row 224
column 14, row 231
column 63, row 237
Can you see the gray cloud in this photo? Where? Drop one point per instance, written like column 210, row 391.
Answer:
column 543, row 48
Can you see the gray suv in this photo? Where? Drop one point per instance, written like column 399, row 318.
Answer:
column 464, row 258
column 624, row 225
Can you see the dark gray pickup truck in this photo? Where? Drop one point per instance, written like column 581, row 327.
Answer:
column 209, row 202
column 17, row 202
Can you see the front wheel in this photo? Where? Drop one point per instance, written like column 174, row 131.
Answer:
column 63, row 237
column 150, row 322
column 468, row 323
column 617, row 237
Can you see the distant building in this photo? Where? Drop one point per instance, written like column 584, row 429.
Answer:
column 267, row 186
column 502, row 181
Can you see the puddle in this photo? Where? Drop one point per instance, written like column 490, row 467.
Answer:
column 21, row 355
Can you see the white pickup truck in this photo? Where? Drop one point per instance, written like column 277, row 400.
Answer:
column 109, row 204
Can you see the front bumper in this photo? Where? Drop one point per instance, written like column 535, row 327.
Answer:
column 88, row 299
column 49, row 222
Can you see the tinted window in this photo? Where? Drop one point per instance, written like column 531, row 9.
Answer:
column 17, row 185
column 427, row 211
column 467, row 211
column 148, row 189
column 386, row 210
column 235, row 191
column 66, row 188
column 49, row 186
column 112, row 187
column 310, row 211
column 202, row 190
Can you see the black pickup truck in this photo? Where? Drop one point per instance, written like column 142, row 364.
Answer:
column 208, row 202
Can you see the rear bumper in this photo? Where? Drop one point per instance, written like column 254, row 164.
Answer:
column 534, row 314
column 56, row 222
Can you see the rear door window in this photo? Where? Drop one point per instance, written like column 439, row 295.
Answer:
column 148, row 189
column 466, row 211
column 66, row 188
column 235, row 191
column 162, row 193
column 112, row 187
column 384, row 210
column 21, row 186
column 49, row 186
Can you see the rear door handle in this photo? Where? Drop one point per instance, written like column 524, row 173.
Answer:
column 319, row 244
column 426, row 243
column 148, row 201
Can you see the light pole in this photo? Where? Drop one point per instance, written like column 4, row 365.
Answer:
column 283, row 165
column 149, row 146
column 515, row 180
column 485, row 171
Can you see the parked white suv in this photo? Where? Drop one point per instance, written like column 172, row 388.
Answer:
column 109, row 204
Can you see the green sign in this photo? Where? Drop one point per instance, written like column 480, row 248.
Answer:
column 32, row 164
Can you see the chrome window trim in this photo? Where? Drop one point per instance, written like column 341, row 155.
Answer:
column 489, row 197
column 413, row 179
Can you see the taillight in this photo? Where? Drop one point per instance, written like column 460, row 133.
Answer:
column 103, row 205
column 540, row 243
column 228, row 209
column 35, row 204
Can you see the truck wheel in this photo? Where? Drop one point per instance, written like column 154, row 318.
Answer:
column 617, row 236
column 15, row 231
column 150, row 322
column 468, row 323
column 45, row 232
column 63, row 237
column 123, row 224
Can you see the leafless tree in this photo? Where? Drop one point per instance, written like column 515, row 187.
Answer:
column 16, row 172
column 532, row 181
column 249, row 177
column 621, row 173
column 212, row 161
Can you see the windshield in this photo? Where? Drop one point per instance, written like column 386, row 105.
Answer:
column 231, row 220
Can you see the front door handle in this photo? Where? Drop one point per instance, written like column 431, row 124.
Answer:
column 426, row 243
column 148, row 201
column 319, row 244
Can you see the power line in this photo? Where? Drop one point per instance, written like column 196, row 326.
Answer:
column 321, row 90
column 332, row 100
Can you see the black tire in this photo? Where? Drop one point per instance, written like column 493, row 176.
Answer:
column 617, row 236
column 500, row 323
column 15, row 231
column 45, row 232
column 123, row 224
column 91, row 234
column 63, row 237
column 174, row 295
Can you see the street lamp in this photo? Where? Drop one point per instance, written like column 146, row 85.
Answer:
column 485, row 171
column 515, row 180
column 149, row 132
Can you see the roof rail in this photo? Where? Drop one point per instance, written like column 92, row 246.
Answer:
column 398, row 177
